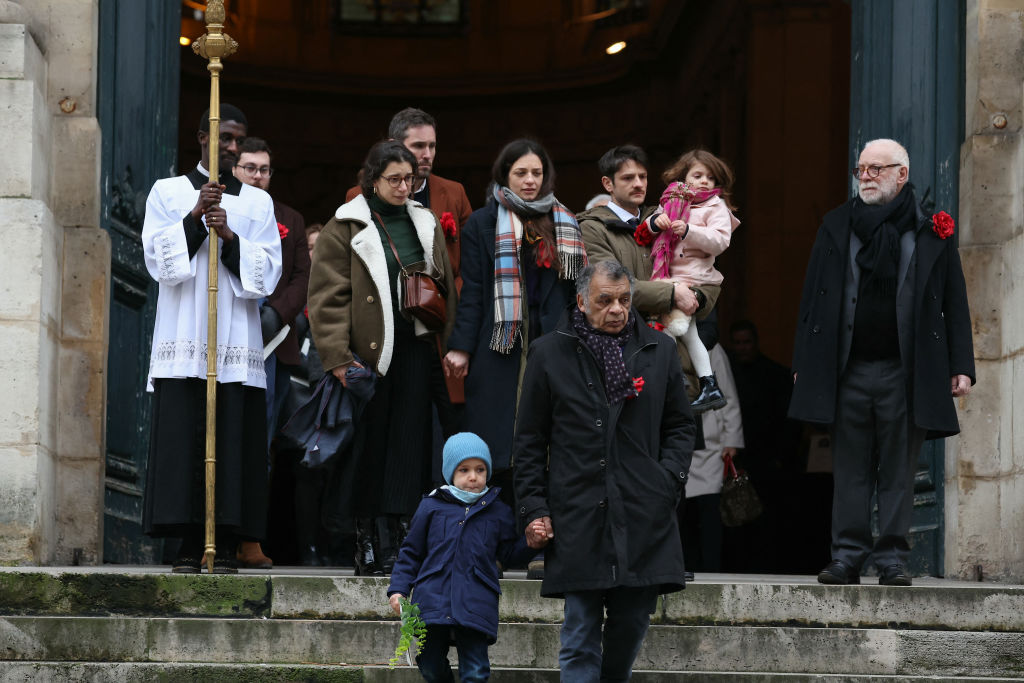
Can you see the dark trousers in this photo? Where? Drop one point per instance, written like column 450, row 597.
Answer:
column 700, row 520
column 587, row 654
column 471, row 645
column 875, row 445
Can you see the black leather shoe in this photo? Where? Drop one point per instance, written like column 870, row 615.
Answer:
column 710, row 398
column 838, row 573
column 894, row 575
column 687, row 576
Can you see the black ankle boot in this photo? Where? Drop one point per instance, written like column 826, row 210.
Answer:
column 389, row 531
column 710, row 398
column 366, row 554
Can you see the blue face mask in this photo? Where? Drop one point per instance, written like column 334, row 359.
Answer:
column 467, row 497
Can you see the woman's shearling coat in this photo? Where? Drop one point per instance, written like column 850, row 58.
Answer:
column 350, row 309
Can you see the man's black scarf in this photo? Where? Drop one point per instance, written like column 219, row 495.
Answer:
column 879, row 227
column 607, row 350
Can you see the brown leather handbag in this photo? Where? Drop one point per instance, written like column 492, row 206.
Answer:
column 422, row 295
column 739, row 503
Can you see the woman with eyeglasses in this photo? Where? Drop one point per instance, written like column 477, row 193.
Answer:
column 357, row 324
column 520, row 257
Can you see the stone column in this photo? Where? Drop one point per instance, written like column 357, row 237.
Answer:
column 985, row 466
column 54, row 286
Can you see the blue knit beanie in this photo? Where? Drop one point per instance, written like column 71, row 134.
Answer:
column 463, row 446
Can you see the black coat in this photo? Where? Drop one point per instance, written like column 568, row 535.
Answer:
column 493, row 381
column 609, row 476
column 933, row 319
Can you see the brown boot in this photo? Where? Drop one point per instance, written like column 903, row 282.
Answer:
column 251, row 556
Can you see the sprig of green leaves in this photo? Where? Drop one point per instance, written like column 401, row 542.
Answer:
column 412, row 628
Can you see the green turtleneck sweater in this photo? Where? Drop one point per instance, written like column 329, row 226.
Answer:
column 403, row 233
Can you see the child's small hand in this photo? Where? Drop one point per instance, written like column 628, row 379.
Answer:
column 680, row 228
column 396, row 604
column 662, row 222
column 539, row 533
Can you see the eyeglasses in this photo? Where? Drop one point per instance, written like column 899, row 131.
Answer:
column 396, row 180
column 253, row 169
column 872, row 170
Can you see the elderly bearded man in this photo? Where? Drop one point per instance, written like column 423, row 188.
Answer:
column 604, row 438
column 883, row 342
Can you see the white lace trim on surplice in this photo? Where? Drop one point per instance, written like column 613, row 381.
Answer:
column 231, row 360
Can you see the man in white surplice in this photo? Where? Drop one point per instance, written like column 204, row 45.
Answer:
column 181, row 214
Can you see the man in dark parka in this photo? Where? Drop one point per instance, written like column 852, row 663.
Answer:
column 603, row 444
column 883, row 341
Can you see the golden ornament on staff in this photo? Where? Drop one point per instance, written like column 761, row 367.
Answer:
column 213, row 46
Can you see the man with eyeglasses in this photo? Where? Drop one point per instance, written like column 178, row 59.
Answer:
column 182, row 215
column 883, row 342
column 280, row 308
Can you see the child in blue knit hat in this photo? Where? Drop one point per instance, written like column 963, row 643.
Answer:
column 458, row 533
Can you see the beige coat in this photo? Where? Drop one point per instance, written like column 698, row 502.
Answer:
column 350, row 307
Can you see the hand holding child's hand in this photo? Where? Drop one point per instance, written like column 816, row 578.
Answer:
column 539, row 533
column 662, row 222
column 395, row 603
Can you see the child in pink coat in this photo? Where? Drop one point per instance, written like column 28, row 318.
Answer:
column 695, row 226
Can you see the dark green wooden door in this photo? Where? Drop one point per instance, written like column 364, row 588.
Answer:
column 138, row 113
column 907, row 84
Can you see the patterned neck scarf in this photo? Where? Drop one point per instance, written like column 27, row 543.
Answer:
column 508, row 281
column 607, row 350
column 676, row 201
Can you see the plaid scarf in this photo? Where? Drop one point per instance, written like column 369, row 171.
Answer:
column 508, row 280
column 676, row 201
column 607, row 350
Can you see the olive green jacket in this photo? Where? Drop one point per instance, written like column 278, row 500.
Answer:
column 350, row 308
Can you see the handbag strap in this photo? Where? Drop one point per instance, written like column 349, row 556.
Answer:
column 391, row 242
column 730, row 468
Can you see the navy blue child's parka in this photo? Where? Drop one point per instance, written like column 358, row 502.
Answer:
column 448, row 559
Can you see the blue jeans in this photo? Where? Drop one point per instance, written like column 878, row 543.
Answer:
column 586, row 654
column 471, row 645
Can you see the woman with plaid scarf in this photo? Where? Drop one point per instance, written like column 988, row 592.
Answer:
column 521, row 254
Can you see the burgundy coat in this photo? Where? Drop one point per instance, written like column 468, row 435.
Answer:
column 289, row 297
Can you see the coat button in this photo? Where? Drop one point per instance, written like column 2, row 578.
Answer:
column 815, row 330
column 590, row 385
column 603, row 504
column 603, row 463
column 522, row 510
column 821, row 292
column 373, row 345
column 598, row 422
column 369, row 299
column 579, row 349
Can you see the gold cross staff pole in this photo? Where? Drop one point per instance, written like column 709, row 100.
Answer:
column 213, row 45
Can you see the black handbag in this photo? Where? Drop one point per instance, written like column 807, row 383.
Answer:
column 739, row 503
column 422, row 295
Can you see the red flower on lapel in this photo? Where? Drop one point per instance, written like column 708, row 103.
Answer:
column 643, row 235
column 448, row 225
column 638, row 384
column 942, row 224
column 282, row 230
column 655, row 325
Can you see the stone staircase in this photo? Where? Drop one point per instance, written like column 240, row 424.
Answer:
column 143, row 624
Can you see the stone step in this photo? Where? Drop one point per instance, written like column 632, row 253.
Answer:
column 94, row 672
column 750, row 649
column 713, row 600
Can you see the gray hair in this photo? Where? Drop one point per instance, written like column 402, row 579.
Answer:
column 899, row 152
column 598, row 200
column 610, row 268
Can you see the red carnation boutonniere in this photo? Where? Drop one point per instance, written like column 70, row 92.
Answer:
column 643, row 235
column 282, row 230
column 942, row 224
column 655, row 325
column 448, row 225
column 638, row 384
